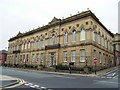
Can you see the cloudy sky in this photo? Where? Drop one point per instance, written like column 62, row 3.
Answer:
column 24, row 15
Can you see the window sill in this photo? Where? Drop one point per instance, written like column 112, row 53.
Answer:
column 65, row 61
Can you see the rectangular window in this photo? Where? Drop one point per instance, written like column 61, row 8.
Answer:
column 37, row 58
column 65, row 56
column 94, row 54
column 73, row 56
column 42, row 58
column 82, row 55
column 33, row 57
column 103, row 58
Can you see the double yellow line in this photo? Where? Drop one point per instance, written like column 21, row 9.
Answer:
column 21, row 81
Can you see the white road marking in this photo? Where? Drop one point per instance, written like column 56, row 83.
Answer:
column 37, row 86
column 108, row 77
column 30, row 84
column 103, row 77
column 43, row 88
column 115, row 76
column 66, row 77
column 106, row 82
column 26, row 84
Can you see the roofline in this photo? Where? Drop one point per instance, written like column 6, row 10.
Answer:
column 63, row 21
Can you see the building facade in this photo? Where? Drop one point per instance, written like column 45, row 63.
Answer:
column 116, row 44
column 78, row 39
column 3, row 56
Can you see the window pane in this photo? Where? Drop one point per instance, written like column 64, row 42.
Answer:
column 93, row 36
column 38, row 43
column 73, row 56
column 74, row 36
column 65, row 56
column 66, row 37
column 82, row 55
column 82, row 35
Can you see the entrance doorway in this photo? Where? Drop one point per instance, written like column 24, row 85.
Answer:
column 52, row 59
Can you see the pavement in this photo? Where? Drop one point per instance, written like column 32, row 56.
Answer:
column 98, row 73
column 9, row 82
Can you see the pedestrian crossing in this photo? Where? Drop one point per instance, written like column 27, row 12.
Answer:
column 35, row 86
column 109, row 76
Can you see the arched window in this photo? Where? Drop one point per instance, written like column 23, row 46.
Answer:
column 42, row 42
column 22, row 46
column 53, row 39
column 39, row 43
column 82, row 35
column 74, row 36
column 34, row 45
column 25, row 45
column 28, row 45
column 93, row 35
column 103, row 41
column 98, row 38
column 66, row 37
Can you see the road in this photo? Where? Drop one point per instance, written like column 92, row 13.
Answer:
column 37, row 79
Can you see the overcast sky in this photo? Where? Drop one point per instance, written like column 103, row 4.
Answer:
column 24, row 15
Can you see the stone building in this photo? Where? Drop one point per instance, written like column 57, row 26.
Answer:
column 3, row 55
column 116, row 44
column 79, row 39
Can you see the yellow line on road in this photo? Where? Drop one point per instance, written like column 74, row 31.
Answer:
column 21, row 81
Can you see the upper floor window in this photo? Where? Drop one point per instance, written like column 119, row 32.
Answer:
column 103, row 41
column 17, row 47
column 34, row 45
column 28, row 45
column 42, row 42
column 98, row 38
column 22, row 46
column 38, row 43
column 93, row 35
column 82, row 55
column 53, row 39
column 74, row 36
column 66, row 37
column 82, row 35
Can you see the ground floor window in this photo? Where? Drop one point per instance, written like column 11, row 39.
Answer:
column 65, row 56
column 82, row 55
column 73, row 54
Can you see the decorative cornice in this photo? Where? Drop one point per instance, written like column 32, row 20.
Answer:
column 56, row 22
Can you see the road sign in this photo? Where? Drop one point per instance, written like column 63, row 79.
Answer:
column 95, row 60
